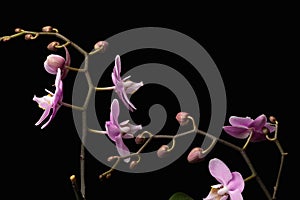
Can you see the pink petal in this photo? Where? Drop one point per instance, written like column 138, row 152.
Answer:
column 270, row 127
column 133, row 87
column 236, row 183
column 67, row 63
column 114, row 112
column 118, row 64
column 112, row 130
column 122, row 148
column 116, row 75
column 44, row 116
column 240, row 121
column 126, row 101
column 237, row 132
column 259, row 122
column 219, row 171
column 235, row 195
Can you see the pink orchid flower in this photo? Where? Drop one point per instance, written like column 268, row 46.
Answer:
column 124, row 86
column 50, row 101
column 116, row 132
column 241, row 127
column 231, row 183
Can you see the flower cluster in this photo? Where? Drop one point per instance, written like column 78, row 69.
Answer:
column 230, row 185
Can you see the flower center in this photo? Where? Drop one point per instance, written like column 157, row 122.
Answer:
column 222, row 191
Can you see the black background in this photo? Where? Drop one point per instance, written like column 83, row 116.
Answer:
column 251, row 48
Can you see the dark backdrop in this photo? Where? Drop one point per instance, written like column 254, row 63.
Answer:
column 250, row 48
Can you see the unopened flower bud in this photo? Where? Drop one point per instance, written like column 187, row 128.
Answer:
column 133, row 164
column 101, row 45
column 195, row 155
column 163, row 151
column 52, row 46
column 182, row 118
column 140, row 139
column 18, row 30
column 28, row 36
column 108, row 176
column 47, row 29
column 5, row 38
column 53, row 62
column 272, row 119
column 110, row 158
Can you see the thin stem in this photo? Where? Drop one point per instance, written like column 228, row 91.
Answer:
column 77, row 192
column 248, row 140
column 283, row 154
column 75, row 69
column 104, row 88
column 97, row 131
column 72, row 106
column 82, row 154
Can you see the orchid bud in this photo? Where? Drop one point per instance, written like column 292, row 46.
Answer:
column 28, row 36
column 163, row 151
column 182, row 118
column 18, row 30
column 140, row 139
column 52, row 46
column 272, row 119
column 47, row 29
column 5, row 38
column 53, row 62
column 195, row 155
column 101, row 45
column 133, row 164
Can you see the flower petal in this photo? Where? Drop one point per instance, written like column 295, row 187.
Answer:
column 237, row 132
column 259, row 122
column 67, row 63
column 114, row 112
column 212, row 195
column 131, row 87
column 235, row 195
column 258, row 136
column 44, row 116
column 117, row 68
column 240, row 121
column 112, row 130
column 270, row 127
column 122, row 148
column 236, row 183
column 219, row 171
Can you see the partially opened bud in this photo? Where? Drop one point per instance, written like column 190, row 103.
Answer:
column 53, row 62
column 182, row 118
column 195, row 155
column 163, row 151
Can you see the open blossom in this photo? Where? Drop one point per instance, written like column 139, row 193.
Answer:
column 50, row 101
column 54, row 61
column 241, row 127
column 117, row 131
column 231, row 184
column 124, row 86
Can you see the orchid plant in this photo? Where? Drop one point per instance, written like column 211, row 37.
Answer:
column 229, row 185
